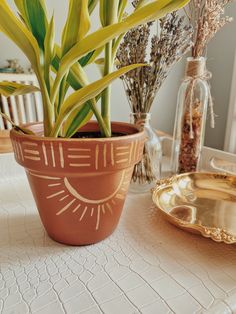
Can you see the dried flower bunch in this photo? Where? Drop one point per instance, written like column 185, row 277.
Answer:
column 207, row 18
column 160, row 51
column 167, row 48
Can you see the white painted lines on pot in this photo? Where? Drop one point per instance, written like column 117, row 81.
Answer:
column 55, row 194
column 79, row 165
column 70, row 199
column 53, row 154
column 66, row 207
column 33, row 158
column 105, row 155
column 30, row 144
column 61, row 156
column 79, row 150
column 112, row 155
column 76, row 208
column 45, row 154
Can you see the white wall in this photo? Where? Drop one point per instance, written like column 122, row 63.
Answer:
column 221, row 54
column 220, row 63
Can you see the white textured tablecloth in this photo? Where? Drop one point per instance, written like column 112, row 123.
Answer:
column 146, row 266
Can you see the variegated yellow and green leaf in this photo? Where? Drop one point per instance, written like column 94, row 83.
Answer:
column 141, row 3
column 77, row 119
column 116, row 45
column 99, row 38
column 109, row 11
column 15, row 30
column 92, row 5
column 80, row 97
column 8, row 89
column 81, row 116
column 29, row 37
column 16, row 127
column 122, row 6
column 76, row 27
column 94, row 56
column 20, row 4
column 35, row 16
column 154, row 10
column 49, row 52
column 77, row 24
column 100, row 65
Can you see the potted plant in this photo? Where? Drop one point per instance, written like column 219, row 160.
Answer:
column 79, row 171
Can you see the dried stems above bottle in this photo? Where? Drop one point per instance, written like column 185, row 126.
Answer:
column 207, row 18
column 167, row 48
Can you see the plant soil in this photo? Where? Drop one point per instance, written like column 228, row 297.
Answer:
column 94, row 135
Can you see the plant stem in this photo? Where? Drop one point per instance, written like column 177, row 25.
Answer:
column 61, row 118
column 106, row 95
column 48, row 110
column 103, row 128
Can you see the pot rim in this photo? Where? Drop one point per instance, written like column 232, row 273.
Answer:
column 137, row 133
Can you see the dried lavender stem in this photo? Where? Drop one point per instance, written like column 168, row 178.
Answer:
column 142, row 85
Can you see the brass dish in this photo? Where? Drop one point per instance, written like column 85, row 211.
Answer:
column 201, row 202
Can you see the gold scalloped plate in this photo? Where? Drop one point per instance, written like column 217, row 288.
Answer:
column 201, row 202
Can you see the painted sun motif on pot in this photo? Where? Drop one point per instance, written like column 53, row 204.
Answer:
column 70, row 195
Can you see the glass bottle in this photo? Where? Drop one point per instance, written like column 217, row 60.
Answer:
column 190, row 118
column 148, row 170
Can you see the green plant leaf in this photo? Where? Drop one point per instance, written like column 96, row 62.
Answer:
column 122, row 6
column 141, row 3
column 78, row 119
column 92, row 5
column 109, row 12
column 71, row 79
column 100, row 65
column 32, row 12
column 8, row 89
column 77, row 24
column 85, row 60
column 15, row 30
column 49, row 52
column 81, row 116
column 16, row 127
column 80, row 97
column 20, row 4
column 160, row 8
column 90, row 57
column 99, row 38
column 76, row 27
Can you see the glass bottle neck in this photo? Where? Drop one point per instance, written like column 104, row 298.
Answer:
column 196, row 67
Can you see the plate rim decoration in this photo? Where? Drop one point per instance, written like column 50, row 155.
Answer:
column 217, row 234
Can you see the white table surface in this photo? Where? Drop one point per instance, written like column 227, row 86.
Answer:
column 146, row 266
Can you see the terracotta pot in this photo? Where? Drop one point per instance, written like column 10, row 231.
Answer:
column 5, row 142
column 79, row 185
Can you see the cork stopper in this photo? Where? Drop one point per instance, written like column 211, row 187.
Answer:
column 195, row 67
